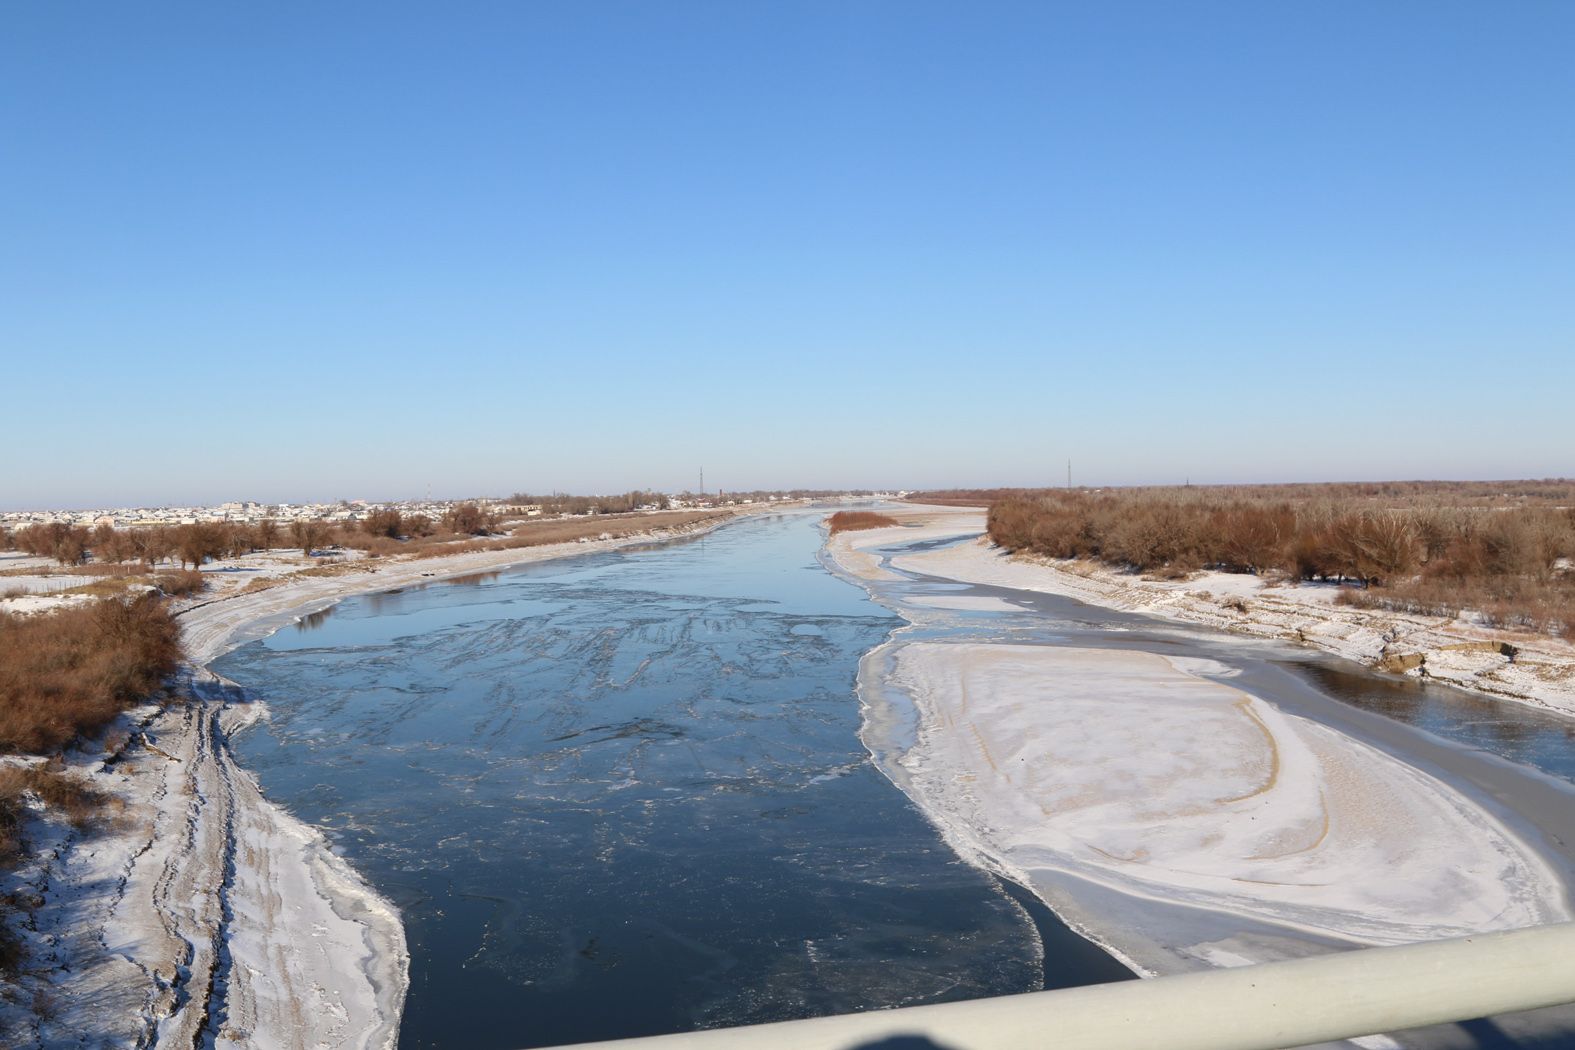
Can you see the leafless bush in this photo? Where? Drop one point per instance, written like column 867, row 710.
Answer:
column 182, row 583
column 308, row 534
column 73, row 670
column 468, row 519
column 266, row 534
column 387, row 522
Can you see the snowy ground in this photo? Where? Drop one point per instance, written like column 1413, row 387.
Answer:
column 1128, row 771
column 1179, row 821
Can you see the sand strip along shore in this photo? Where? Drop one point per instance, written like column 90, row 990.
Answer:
column 1177, row 821
column 207, row 915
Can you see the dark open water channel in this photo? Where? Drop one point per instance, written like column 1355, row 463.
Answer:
column 624, row 794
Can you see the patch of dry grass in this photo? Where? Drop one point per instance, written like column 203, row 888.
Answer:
column 856, row 520
column 543, row 533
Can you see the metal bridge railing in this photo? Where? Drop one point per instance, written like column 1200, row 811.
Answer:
column 1264, row 1007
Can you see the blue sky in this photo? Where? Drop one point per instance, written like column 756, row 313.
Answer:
column 296, row 251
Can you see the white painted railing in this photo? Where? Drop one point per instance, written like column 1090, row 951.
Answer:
column 1267, row 1007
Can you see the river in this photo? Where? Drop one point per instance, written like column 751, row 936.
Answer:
column 636, row 778
column 632, row 778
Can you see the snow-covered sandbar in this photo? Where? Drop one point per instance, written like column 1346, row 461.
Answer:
column 1166, row 813
column 1126, row 771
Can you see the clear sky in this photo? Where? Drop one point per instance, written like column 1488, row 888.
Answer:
column 292, row 251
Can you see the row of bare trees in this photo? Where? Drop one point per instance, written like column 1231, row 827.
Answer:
column 381, row 531
column 192, row 544
column 1514, row 559
column 619, row 503
column 1325, row 539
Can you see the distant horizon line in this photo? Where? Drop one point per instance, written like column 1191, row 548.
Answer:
column 1184, row 483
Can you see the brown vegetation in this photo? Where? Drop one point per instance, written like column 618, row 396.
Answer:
column 965, row 497
column 854, row 520
column 624, row 503
column 541, row 533
column 181, row 583
column 66, row 544
column 387, row 523
column 71, row 671
column 308, row 535
column 71, row 797
column 1411, row 547
column 469, row 519
column 113, row 551
column 62, row 675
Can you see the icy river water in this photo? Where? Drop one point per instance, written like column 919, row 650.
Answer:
column 625, row 793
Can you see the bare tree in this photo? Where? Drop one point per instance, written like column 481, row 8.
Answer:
column 468, row 518
column 198, row 543
column 384, row 522
column 266, row 533
column 153, row 545
column 308, row 535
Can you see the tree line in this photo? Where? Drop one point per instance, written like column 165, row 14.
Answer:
column 1512, row 563
column 201, row 542
column 561, row 503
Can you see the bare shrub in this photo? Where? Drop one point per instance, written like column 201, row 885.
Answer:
column 1251, row 538
column 265, row 534
column 181, row 583
column 386, row 522
column 73, row 670
column 468, row 519
column 70, row 796
column 308, row 535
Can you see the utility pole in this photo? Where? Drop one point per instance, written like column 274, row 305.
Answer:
column 1069, row 473
column 702, row 481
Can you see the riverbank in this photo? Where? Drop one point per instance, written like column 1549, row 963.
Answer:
column 201, row 913
column 1180, row 798
column 1511, row 665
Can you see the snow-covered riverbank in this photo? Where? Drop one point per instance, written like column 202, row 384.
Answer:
column 1513, row 665
column 1171, row 816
